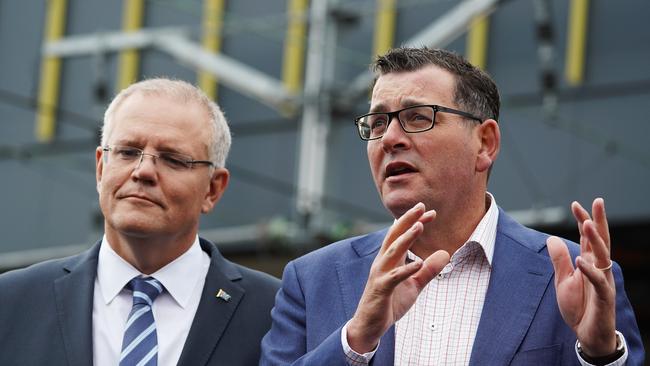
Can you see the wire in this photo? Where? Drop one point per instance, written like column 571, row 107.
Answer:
column 31, row 104
column 290, row 189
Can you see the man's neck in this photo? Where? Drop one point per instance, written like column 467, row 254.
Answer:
column 149, row 254
column 451, row 228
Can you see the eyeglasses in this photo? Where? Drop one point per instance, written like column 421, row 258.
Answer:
column 125, row 155
column 418, row 118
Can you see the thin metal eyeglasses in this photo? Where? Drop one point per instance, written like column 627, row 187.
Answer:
column 124, row 155
column 414, row 119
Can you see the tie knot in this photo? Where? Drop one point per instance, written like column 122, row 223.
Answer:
column 145, row 290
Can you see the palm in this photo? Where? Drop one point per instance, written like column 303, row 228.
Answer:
column 393, row 285
column 586, row 295
column 405, row 295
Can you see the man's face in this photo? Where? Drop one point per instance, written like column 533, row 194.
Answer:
column 436, row 167
column 147, row 200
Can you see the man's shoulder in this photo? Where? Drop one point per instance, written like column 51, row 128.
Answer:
column 247, row 277
column 528, row 237
column 38, row 271
column 35, row 278
column 257, row 278
column 343, row 250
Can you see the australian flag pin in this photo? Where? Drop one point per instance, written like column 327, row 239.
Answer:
column 223, row 295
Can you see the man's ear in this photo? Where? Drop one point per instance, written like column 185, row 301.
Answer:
column 218, row 183
column 490, row 137
column 99, row 166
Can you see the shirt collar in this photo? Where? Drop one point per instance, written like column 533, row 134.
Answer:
column 485, row 233
column 179, row 276
column 484, row 236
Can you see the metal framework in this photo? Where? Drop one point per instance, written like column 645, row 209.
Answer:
column 316, row 100
column 177, row 43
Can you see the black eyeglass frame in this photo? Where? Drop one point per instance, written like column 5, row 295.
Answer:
column 391, row 115
column 186, row 159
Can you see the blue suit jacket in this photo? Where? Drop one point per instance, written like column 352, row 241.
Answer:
column 520, row 323
column 46, row 313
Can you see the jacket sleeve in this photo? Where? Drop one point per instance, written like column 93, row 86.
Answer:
column 286, row 343
column 626, row 321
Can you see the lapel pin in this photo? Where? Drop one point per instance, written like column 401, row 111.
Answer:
column 223, row 295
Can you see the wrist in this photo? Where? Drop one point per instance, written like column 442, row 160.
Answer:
column 358, row 339
column 603, row 358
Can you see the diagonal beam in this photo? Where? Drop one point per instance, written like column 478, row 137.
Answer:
column 443, row 31
column 175, row 42
column 231, row 73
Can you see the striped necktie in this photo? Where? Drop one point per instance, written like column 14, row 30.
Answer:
column 140, row 342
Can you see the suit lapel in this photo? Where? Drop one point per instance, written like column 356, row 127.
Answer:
column 74, row 302
column 213, row 313
column 519, row 278
column 353, row 275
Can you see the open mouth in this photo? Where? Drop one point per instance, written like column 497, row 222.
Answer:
column 399, row 168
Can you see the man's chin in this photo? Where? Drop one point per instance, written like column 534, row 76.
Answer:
column 398, row 205
column 137, row 227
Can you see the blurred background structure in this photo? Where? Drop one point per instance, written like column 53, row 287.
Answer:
column 574, row 76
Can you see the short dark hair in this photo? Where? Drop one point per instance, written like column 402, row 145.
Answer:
column 475, row 91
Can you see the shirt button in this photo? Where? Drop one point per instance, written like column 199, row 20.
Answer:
column 440, row 276
column 432, row 327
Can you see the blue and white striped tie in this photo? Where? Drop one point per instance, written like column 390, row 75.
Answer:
column 140, row 342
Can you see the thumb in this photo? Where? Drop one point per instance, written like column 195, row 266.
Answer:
column 431, row 267
column 560, row 258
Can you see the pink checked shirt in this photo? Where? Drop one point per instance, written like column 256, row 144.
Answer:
column 440, row 327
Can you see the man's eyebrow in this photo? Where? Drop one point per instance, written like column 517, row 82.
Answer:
column 127, row 142
column 410, row 102
column 406, row 102
column 378, row 108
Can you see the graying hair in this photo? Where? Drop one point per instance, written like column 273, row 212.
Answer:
column 220, row 138
column 475, row 91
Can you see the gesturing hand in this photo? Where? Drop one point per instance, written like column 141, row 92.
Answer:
column 393, row 286
column 586, row 296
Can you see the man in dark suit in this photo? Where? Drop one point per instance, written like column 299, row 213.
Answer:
column 151, row 291
column 455, row 280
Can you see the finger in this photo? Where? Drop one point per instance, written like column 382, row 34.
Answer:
column 398, row 274
column 431, row 267
column 402, row 224
column 581, row 215
column 560, row 258
column 598, row 246
column 396, row 252
column 600, row 219
column 427, row 217
column 604, row 290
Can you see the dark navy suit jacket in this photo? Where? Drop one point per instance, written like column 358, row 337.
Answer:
column 520, row 322
column 46, row 313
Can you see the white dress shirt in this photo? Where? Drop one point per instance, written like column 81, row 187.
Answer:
column 173, row 310
column 440, row 328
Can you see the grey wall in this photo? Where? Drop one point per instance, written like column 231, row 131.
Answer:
column 596, row 147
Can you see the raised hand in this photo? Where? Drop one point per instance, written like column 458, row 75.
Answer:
column 586, row 295
column 393, row 286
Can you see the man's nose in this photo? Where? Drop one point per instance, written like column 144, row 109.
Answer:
column 394, row 136
column 141, row 160
column 145, row 171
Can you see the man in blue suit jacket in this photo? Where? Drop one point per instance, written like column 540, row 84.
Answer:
column 161, row 165
column 432, row 137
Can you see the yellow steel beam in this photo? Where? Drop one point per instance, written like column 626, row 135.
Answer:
column 576, row 42
column 48, row 93
column 384, row 26
column 477, row 41
column 294, row 45
column 132, row 19
column 213, row 12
